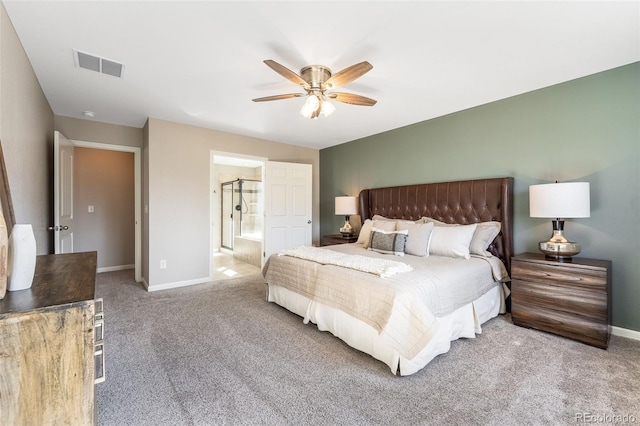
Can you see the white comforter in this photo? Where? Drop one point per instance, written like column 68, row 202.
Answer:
column 403, row 308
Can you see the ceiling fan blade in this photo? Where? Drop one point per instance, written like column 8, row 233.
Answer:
column 350, row 98
column 286, row 73
column 278, row 97
column 349, row 74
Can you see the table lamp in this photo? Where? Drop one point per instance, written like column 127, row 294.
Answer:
column 559, row 201
column 346, row 206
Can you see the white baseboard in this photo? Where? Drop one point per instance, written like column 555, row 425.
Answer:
column 177, row 284
column 625, row 332
column 144, row 284
column 115, row 268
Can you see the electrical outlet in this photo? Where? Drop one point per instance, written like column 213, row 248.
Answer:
column 163, row 264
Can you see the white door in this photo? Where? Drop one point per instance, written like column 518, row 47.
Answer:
column 62, row 193
column 288, row 206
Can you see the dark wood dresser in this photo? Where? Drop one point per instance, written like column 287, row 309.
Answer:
column 48, row 344
column 571, row 299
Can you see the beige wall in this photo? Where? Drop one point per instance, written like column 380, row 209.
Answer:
column 104, row 179
column 178, row 187
column 95, row 131
column 26, row 132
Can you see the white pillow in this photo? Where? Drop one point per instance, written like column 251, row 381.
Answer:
column 365, row 232
column 385, row 225
column 388, row 242
column 485, row 233
column 452, row 241
column 418, row 237
column 398, row 222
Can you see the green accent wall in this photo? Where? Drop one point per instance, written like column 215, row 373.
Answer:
column 582, row 130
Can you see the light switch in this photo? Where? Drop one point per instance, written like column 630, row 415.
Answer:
column 91, row 209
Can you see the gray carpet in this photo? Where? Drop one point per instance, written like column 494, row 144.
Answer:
column 219, row 354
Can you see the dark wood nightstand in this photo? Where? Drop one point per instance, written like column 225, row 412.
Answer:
column 571, row 299
column 328, row 240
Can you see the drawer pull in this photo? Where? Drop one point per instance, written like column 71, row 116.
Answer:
column 98, row 325
column 100, row 366
column 99, row 308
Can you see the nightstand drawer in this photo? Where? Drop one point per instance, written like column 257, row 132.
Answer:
column 571, row 299
column 561, row 323
column 565, row 298
column 556, row 273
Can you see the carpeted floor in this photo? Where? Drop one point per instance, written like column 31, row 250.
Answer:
column 219, row 354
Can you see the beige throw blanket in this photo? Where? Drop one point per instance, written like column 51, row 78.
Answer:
column 396, row 313
column 381, row 267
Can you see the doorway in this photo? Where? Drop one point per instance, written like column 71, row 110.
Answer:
column 237, row 214
column 137, row 172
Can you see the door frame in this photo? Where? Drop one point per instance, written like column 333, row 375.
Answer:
column 137, row 178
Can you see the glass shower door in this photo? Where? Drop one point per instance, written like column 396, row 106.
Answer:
column 230, row 216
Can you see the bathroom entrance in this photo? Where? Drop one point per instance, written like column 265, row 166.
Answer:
column 242, row 215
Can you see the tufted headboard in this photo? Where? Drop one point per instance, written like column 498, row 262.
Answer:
column 461, row 202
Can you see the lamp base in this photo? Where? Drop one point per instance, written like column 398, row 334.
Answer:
column 558, row 247
column 346, row 230
column 559, row 251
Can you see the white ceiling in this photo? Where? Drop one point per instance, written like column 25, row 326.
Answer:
column 200, row 62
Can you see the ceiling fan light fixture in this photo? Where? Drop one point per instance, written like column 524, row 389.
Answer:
column 310, row 106
column 316, row 80
column 327, row 108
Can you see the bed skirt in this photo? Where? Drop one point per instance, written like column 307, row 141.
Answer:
column 464, row 322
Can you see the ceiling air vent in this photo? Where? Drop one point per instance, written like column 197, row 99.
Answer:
column 97, row 64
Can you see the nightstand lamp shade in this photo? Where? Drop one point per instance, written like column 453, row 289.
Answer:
column 559, row 201
column 346, row 206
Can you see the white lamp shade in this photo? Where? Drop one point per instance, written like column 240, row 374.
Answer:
column 560, row 200
column 346, row 205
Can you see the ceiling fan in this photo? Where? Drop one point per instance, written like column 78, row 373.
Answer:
column 317, row 80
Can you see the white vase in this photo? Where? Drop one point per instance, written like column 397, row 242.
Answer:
column 4, row 248
column 21, row 258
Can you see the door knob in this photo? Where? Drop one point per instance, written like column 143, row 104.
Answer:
column 53, row 228
column 64, row 228
column 309, row 222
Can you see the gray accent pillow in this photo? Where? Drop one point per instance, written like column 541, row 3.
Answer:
column 388, row 242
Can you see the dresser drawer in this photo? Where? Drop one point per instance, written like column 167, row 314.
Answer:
column 561, row 297
column 556, row 273
column 571, row 299
column 577, row 327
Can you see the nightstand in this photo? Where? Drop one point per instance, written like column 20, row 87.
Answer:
column 570, row 299
column 329, row 240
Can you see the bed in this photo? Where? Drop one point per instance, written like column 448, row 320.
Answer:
column 407, row 288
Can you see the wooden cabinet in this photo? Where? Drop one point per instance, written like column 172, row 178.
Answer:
column 328, row 240
column 47, row 345
column 571, row 299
